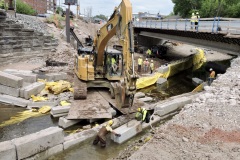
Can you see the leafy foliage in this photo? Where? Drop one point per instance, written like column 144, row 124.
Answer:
column 101, row 16
column 207, row 8
column 24, row 8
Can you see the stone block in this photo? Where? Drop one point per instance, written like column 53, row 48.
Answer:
column 146, row 99
column 197, row 81
column 161, row 81
column 127, row 131
column 65, row 123
column 10, row 80
column 48, row 153
column 9, row 91
column 32, row 144
column 32, row 89
column 40, row 104
column 13, row 100
column 59, row 115
column 60, row 109
column 139, row 95
column 27, row 75
column 163, row 69
column 171, row 106
column 56, row 76
column 7, row 151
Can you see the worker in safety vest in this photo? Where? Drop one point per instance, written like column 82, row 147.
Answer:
column 140, row 62
column 193, row 19
column 142, row 115
column 101, row 136
column 114, row 65
column 145, row 65
column 151, row 66
column 211, row 76
column 149, row 53
column 197, row 19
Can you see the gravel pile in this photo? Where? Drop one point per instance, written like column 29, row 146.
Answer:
column 206, row 129
column 31, row 22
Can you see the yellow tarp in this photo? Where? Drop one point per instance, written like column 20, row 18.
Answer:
column 38, row 98
column 65, row 103
column 147, row 81
column 20, row 117
column 44, row 109
column 196, row 61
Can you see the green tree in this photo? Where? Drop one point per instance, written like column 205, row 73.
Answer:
column 24, row 8
column 184, row 8
column 101, row 16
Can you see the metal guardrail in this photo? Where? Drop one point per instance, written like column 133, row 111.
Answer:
column 213, row 25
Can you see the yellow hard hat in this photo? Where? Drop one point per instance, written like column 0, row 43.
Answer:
column 139, row 109
column 110, row 122
column 193, row 14
column 197, row 13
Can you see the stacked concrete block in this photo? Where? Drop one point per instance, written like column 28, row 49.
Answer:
column 32, row 144
column 56, row 76
column 27, row 75
column 13, row 100
column 7, row 151
column 10, row 80
column 40, row 104
column 60, row 111
column 32, row 89
column 127, row 131
column 168, row 107
column 65, row 123
column 15, row 92
column 197, row 81
column 10, row 84
column 48, row 153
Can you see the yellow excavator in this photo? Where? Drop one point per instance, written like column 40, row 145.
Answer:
column 102, row 67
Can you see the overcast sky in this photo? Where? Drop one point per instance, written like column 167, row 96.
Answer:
column 106, row 7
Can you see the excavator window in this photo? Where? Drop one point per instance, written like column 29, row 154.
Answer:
column 114, row 64
column 109, row 27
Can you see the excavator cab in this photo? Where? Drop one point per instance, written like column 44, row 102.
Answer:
column 113, row 64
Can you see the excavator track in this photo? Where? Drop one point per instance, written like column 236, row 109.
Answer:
column 80, row 89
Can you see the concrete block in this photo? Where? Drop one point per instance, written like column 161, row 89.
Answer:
column 197, row 81
column 139, row 95
column 48, row 153
column 56, row 76
column 161, row 80
column 171, row 106
column 65, row 123
column 7, row 151
column 163, row 69
column 40, row 104
column 32, row 89
column 127, row 131
column 32, row 144
column 59, row 115
column 13, row 100
column 27, row 75
column 60, row 109
column 146, row 99
column 9, row 91
column 10, row 80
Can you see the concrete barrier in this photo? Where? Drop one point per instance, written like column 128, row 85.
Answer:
column 40, row 104
column 65, row 123
column 7, row 151
column 32, row 89
column 9, row 91
column 13, row 100
column 32, row 144
column 46, row 154
column 56, row 76
column 127, row 131
column 27, row 75
column 10, row 80
column 171, row 106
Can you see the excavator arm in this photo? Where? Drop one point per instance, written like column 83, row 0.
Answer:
column 119, row 24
